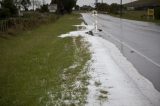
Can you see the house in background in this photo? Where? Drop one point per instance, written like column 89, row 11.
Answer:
column 52, row 8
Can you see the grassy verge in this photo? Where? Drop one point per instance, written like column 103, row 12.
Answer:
column 137, row 15
column 13, row 26
column 39, row 69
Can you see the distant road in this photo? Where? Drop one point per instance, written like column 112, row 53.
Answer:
column 142, row 37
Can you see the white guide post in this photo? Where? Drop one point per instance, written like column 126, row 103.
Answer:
column 95, row 13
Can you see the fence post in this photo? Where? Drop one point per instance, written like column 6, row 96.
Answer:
column 4, row 25
column 1, row 26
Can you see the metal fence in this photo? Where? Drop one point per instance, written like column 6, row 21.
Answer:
column 3, row 25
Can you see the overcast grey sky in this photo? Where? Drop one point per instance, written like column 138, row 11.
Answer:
column 91, row 2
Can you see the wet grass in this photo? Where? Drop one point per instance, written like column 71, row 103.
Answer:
column 103, row 95
column 103, row 91
column 97, row 83
column 137, row 15
column 33, row 63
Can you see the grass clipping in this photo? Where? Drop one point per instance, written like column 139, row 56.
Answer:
column 75, row 79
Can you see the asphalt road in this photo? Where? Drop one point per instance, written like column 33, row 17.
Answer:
column 140, row 40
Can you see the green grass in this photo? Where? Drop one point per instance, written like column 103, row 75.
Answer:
column 136, row 15
column 32, row 65
column 146, row 1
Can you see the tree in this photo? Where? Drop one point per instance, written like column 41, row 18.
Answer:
column 53, row 1
column 77, row 7
column 25, row 4
column 114, row 8
column 157, row 12
column 102, row 7
column 38, row 3
column 86, row 8
column 64, row 5
column 8, row 9
column 60, row 6
column 44, row 8
column 68, row 5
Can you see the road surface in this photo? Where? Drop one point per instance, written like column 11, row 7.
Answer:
column 140, row 40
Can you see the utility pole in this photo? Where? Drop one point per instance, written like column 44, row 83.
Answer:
column 96, row 1
column 120, row 8
column 121, row 26
column 44, row 2
column 33, row 5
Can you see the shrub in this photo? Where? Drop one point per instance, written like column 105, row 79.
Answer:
column 8, row 9
column 157, row 13
column 44, row 8
column 4, row 13
column 26, row 23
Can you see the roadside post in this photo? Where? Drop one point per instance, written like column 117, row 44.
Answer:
column 121, row 25
column 95, row 13
column 150, row 13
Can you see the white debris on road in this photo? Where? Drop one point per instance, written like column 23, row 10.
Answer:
column 114, row 81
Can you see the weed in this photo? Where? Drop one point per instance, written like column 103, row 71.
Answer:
column 97, row 83
column 103, row 91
